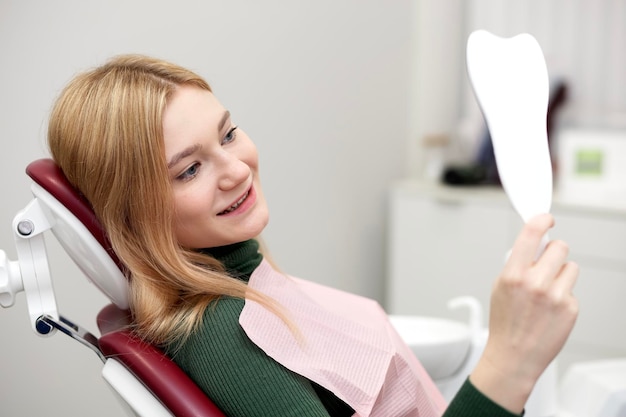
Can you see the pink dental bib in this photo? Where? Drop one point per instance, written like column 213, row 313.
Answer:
column 346, row 345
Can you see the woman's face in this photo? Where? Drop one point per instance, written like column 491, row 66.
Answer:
column 214, row 169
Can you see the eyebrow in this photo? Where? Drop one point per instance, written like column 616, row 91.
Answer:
column 194, row 148
column 183, row 154
column 223, row 120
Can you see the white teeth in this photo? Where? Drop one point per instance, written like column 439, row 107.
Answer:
column 237, row 204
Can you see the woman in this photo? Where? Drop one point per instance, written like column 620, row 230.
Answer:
column 176, row 185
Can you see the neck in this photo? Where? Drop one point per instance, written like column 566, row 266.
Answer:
column 240, row 259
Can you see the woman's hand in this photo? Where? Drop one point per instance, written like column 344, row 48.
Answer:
column 532, row 313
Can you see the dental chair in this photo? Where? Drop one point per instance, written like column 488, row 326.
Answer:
column 147, row 382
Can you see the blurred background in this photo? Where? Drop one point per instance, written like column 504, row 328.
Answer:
column 357, row 108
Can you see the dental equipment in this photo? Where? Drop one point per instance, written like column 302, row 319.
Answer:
column 510, row 81
column 142, row 376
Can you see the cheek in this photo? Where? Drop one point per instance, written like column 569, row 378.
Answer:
column 189, row 205
column 252, row 157
column 248, row 152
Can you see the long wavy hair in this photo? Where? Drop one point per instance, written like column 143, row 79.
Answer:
column 106, row 134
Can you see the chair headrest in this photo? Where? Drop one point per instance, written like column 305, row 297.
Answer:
column 79, row 231
column 47, row 174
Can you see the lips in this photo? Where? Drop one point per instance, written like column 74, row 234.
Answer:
column 236, row 205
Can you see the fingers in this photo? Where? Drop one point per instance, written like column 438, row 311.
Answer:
column 564, row 284
column 527, row 243
column 551, row 262
column 551, row 273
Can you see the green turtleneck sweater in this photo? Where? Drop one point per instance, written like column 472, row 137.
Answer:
column 243, row 381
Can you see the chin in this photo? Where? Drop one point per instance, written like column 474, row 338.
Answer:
column 255, row 230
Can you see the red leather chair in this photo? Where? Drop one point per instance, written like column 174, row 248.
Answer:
column 147, row 381
column 149, row 365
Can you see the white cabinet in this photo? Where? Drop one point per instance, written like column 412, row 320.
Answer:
column 445, row 242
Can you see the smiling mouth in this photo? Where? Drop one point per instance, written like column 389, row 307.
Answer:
column 237, row 204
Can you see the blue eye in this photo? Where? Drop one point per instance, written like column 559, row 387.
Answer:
column 189, row 173
column 230, row 136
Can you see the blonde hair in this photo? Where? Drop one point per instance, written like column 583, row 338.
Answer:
column 105, row 132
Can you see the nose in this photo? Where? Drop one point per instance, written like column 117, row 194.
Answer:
column 233, row 172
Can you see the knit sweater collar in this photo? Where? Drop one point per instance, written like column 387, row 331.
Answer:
column 239, row 259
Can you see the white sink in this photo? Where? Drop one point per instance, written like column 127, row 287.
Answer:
column 441, row 345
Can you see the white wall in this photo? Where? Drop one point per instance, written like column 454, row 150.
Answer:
column 321, row 86
column 437, row 75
